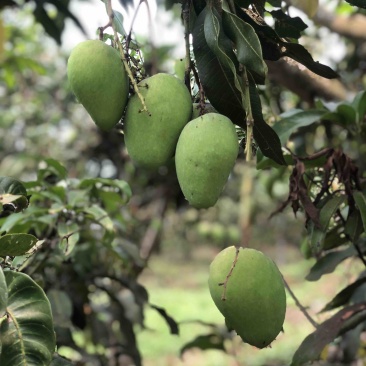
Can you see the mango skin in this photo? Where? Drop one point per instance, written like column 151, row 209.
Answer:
column 151, row 138
column 99, row 81
column 255, row 304
column 205, row 155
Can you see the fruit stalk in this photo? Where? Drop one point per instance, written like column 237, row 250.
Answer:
column 125, row 64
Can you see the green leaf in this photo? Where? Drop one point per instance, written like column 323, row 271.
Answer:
column 287, row 125
column 347, row 113
column 11, row 186
column 173, row 325
column 266, row 138
column 205, row 342
column 3, row 294
column 344, row 296
column 299, row 53
column 115, row 185
column 359, row 104
column 51, row 171
column 249, row 50
column 220, row 45
column 285, row 26
column 216, row 77
column 329, row 263
column 99, row 215
column 26, row 334
column 60, row 361
column 359, row 3
column 16, row 244
column 317, row 234
column 354, row 227
column 360, row 200
column 334, row 238
column 326, row 332
column 118, row 22
column 69, row 235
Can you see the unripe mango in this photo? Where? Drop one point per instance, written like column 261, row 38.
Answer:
column 205, row 155
column 248, row 289
column 99, row 81
column 151, row 137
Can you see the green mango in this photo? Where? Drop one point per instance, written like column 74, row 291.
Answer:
column 99, row 81
column 248, row 289
column 205, row 155
column 151, row 137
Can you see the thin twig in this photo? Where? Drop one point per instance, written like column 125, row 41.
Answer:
column 122, row 54
column 302, row 308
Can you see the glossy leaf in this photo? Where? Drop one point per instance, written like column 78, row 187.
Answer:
column 16, row 244
column 314, row 343
column 217, row 78
column 248, row 47
column 360, row 200
column 344, row 296
column 317, row 234
column 220, row 45
column 329, row 262
column 26, row 334
column 205, row 342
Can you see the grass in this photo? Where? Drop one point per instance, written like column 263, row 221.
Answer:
column 180, row 287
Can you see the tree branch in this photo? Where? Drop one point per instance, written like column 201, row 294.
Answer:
column 303, row 82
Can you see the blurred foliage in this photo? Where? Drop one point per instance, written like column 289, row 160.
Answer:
column 86, row 237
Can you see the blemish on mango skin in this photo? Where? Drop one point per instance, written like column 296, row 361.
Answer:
column 248, row 289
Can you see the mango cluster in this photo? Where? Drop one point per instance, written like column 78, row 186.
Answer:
column 205, row 147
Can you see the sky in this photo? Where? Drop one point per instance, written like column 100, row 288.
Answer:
column 92, row 14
